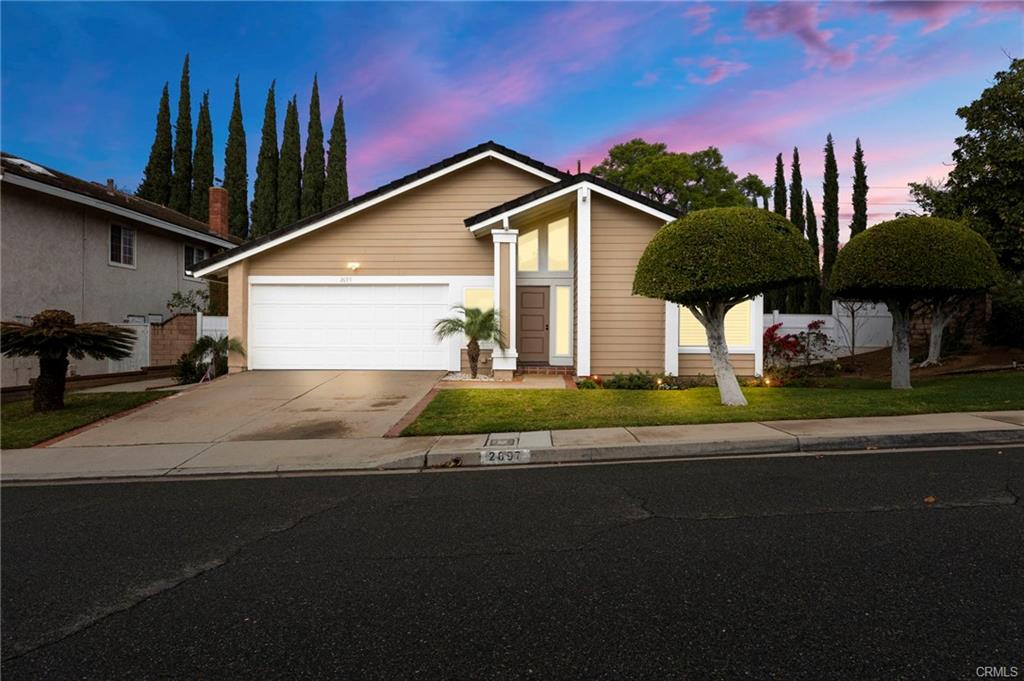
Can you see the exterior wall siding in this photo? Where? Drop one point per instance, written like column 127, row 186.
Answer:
column 55, row 254
column 700, row 364
column 419, row 232
column 627, row 332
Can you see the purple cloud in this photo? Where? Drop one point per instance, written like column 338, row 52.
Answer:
column 700, row 17
column 937, row 14
column 717, row 70
column 801, row 21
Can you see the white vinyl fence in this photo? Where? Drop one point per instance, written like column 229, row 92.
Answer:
column 210, row 325
column 869, row 326
column 140, row 353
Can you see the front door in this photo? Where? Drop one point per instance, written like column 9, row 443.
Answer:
column 532, row 324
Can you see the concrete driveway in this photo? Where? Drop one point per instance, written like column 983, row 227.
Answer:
column 271, row 405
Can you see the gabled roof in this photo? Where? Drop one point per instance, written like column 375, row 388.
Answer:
column 489, row 149
column 567, row 185
column 36, row 177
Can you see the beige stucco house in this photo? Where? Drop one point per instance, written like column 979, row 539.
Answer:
column 361, row 286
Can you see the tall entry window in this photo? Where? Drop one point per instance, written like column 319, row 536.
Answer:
column 545, row 249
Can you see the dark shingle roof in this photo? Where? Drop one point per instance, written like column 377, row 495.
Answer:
column 22, row 167
column 384, row 189
column 567, row 182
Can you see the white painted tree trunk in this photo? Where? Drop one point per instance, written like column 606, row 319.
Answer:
column 900, row 312
column 940, row 319
column 714, row 326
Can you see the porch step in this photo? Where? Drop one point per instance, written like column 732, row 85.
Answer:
column 545, row 370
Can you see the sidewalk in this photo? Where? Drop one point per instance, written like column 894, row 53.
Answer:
column 541, row 447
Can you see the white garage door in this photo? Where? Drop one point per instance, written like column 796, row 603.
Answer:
column 325, row 326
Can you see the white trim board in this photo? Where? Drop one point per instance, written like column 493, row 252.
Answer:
column 334, row 217
column 113, row 209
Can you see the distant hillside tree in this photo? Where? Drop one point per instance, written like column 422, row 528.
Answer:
column 860, row 193
column 264, row 203
column 336, row 185
column 289, row 168
column 156, row 178
column 236, row 171
column 830, row 219
column 202, row 163
column 181, row 180
column 754, row 188
column 313, row 161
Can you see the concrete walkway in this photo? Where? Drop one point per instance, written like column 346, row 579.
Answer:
column 544, row 447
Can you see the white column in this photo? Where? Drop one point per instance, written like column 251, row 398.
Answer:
column 505, row 277
column 671, row 339
column 756, row 332
column 583, row 200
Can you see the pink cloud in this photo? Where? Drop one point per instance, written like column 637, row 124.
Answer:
column 937, row 14
column 881, row 43
column 648, row 79
column 717, row 70
column 800, row 20
column 700, row 15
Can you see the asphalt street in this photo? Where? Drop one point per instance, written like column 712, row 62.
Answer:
column 872, row 566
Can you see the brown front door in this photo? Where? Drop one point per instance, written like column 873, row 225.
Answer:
column 532, row 323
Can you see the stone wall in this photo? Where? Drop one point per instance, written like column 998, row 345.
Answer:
column 169, row 340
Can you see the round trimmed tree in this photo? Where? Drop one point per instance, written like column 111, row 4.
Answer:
column 912, row 259
column 711, row 260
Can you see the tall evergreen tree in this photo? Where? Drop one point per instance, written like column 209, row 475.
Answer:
column 812, row 302
column 796, row 295
column 289, row 169
column 202, row 163
column 336, row 187
column 860, row 193
column 236, row 171
column 313, row 160
column 780, row 187
column 156, row 178
column 830, row 219
column 181, row 181
column 264, row 202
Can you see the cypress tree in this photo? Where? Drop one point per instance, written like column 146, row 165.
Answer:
column 181, row 181
column 780, row 187
column 795, row 295
column 236, row 171
column 830, row 220
column 313, row 160
column 156, row 178
column 336, row 187
column 202, row 163
column 812, row 302
column 860, row 193
column 264, row 203
column 289, row 169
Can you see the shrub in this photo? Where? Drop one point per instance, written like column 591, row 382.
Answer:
column 587, row 384
column 640, row 380
column 1006, row 325
column 189, row 369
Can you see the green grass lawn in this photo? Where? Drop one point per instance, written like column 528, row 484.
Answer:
column 496, row 411
column 20, row 427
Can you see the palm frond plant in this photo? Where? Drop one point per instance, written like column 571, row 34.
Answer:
column 477, row 325
column 216, row 349
column 53, row 337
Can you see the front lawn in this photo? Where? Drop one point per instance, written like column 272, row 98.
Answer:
column 21, row 427
column 497, row 411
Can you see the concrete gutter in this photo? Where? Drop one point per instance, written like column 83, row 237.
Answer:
column 298, row 457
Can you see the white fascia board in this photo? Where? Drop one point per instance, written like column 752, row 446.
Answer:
column 466, row 280
column 671, row 339
column 481, row 227
column 373, row 202
column 113, row 209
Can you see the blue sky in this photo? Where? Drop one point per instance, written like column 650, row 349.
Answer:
column 558, row 81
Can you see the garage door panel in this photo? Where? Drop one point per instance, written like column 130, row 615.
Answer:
column 347, row 327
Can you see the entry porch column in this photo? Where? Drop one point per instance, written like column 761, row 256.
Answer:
column 505, row 263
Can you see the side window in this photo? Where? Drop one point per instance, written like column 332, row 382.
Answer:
column 122, row 246
column 480, row 298
column 193, row 255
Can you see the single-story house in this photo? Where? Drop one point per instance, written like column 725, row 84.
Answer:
column 360, row 286
column 99, row 253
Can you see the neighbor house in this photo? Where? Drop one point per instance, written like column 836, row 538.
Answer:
column 100, row 254
column 360, row 286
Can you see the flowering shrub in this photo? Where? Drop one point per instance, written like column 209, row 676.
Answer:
column 792, row 356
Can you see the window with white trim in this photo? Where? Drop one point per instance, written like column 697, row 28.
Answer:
column 737, row 327
column 546, row 250
column 480, row 298
column 193, row 255
column 122, row 246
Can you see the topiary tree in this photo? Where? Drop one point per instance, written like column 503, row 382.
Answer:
column 913, row 259
column 712, row 260
column 53, row 336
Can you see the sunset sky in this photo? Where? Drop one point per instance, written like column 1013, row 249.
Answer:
column 560, row 82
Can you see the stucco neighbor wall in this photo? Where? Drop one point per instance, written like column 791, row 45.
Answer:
column 55, row 253
column 627, row 332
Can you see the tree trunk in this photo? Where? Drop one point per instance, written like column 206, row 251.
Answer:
column 725, row 377
column 48, row 391
column 473, row 352
column 900, row 312
column 940, row 318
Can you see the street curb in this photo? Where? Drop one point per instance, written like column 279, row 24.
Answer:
column 905, row 440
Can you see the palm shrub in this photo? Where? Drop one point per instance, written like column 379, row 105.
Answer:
column 477, row 325
column 205, row 352
column 53, row 336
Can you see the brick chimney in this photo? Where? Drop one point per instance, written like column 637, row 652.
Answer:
column 219, row 211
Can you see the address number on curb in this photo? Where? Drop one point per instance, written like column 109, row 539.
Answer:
column 490, row 457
